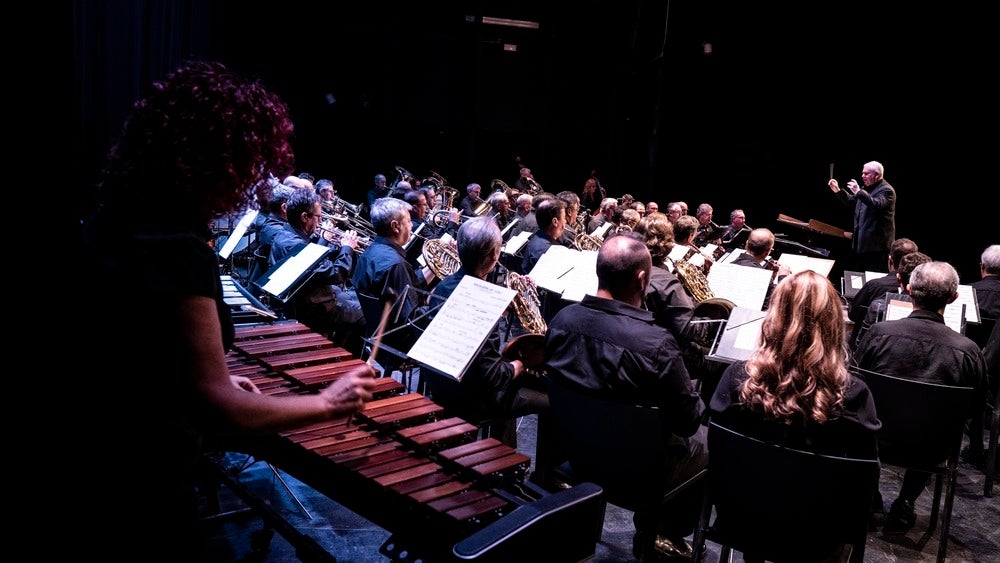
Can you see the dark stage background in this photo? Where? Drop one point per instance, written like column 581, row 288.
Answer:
column 623, row 88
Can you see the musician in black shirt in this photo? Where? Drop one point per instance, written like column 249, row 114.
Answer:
column 188, row 153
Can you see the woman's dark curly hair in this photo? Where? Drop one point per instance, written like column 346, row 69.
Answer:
column 198, row 145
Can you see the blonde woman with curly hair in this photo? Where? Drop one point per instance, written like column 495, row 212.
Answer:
column 795, row 390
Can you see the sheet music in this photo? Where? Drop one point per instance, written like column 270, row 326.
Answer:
column 459, row 328
column 953, row 315
column 745, row 286
column 869, row 276
column 897, row 309
column 730, row 256
column 602, row 231
column 798, row 263
column 967, row 297
column 282, row 278
column 552, row 271
column 516, row 242
column 237, row 234
column 901, row 309
column 741, row 335
column 854, row 280
column 678, row 252
column 582, row 279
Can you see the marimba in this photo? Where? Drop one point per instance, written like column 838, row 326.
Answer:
column 406, row 465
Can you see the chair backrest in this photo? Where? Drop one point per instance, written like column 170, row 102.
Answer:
column 785, row 504
column 922, row 422
column 980, row 333
column 619, row 446
column 371, row 308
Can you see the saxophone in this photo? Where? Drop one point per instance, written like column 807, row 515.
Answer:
column 694, row 281
column 583, row 241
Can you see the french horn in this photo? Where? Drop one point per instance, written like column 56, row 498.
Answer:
column 441, row 258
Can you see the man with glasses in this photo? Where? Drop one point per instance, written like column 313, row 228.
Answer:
column 324, row 303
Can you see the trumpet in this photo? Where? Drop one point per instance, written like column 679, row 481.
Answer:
column 334, row 235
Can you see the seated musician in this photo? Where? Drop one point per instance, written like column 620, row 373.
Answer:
column 607, row 211
column 737, row 232
column 921, row 347
column 421, row 230
column 551, row 216
column 709, row 232
column 274, row 220
column 610, row 345
column 492, row 387
column 163, row 329
column 383, row 272
column 685, row 230
column 672, row 306
column 758, row 250
column 757, row 255
column 877, row 308
column 878, row 287
column 795, row 390
column 525, row 215
column 471, row 204
column 324, row 303
column 572, row 213
column 500, row 210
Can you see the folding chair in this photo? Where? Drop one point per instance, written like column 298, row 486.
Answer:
column 619, row 446
column 782, row 504
column 923, row 425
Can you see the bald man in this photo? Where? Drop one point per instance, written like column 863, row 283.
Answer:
column 610, row 344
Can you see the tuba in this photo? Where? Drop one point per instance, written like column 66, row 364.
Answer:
column 448, row 197
column 527, row 305
column 441, row 258
column 499, row 185
column 402, row 174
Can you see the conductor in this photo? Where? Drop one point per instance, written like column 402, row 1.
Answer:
column 874, row 215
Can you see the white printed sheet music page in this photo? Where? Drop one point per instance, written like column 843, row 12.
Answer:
column 798, row 263
column 741, row 335
column 459, row 328
column 745, row 286
column 282, row 278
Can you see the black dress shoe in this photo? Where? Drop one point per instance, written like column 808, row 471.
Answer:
column 901, row 518
column 678, row 549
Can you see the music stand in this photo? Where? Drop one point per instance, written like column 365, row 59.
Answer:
column 851, row 283
column 292, row 272
column 234, row 238
column 460, row 327
column 739, row 338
